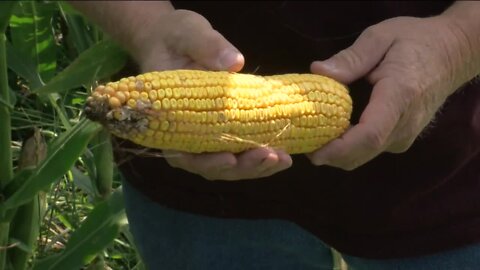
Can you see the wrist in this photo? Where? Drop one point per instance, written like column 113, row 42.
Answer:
column 130, row 23
column 463, row 20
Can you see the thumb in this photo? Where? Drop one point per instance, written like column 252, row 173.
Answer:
column 214, row 52
column 196, row 39
column 357, row 60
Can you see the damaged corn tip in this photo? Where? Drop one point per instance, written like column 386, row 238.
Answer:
column 211, row 111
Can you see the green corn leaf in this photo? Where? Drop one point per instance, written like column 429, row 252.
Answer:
column 64, row 220
column 98, row 231
column 25, row 229
column 78, row 37
column 25, row 226
column 101, row 60
column 6, row 8
column 83, row 182
column 62, row 154
column 32, row 35
column 68, row 9
column 6, row 171
column 11, row 100
column 88, row 163
column 103, row 156
column 23, row 65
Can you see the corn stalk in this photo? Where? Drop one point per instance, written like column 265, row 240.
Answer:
column 6, row 171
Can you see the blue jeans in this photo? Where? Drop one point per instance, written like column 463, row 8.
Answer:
column 171, row 240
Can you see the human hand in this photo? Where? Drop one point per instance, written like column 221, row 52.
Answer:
column 414, row 64
column 184, row 39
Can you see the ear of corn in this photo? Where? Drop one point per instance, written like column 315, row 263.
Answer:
column 212, row 111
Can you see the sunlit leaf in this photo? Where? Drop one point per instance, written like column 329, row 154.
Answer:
column 31, row 32
column 64, row 220
column 101, row 60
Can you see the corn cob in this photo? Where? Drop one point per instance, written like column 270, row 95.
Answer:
column 213, row 111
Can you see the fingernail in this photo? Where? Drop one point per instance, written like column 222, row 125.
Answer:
column 270, row 160
column 229, row 58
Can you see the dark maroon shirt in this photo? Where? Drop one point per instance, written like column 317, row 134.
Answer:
column 418, row 202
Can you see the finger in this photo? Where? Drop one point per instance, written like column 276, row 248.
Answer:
column 370, row 136
column 200, row 163
column 357, row 60
column 195, row 65
column 158, row 64
column 263, row 158
column 284, row 162
column 248, row 165
column 401, row 146
column 256, row 160
column 274, row 162
column 215, row 52
column 203, row 44
column 414, row 121
column 257, row 163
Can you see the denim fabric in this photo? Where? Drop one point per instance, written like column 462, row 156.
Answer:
column 467, row 258
column 171, row 240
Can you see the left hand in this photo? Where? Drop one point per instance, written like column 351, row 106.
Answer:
column 414, row 64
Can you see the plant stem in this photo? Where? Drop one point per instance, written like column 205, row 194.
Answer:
column 6, row 173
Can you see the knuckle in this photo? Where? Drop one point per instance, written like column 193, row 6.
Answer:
column 375, row 140
column 177, row 160
column 188, row 17
column 375, row 34
column 316, row 162
column 398, row 148
column 401, row 146
column 344, row 162
column 350, row 56
column 173, row 162
column 371, row 32
column 412, row 88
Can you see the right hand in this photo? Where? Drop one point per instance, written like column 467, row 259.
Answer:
column 185, row 40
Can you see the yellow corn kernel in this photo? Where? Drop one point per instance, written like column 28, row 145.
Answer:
column 157, row 105
column 132, row 103
column 121, row 96
column 135, row 95
column 114, row 102
column 152, row 94
column 144, row 96
column 153, row 124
